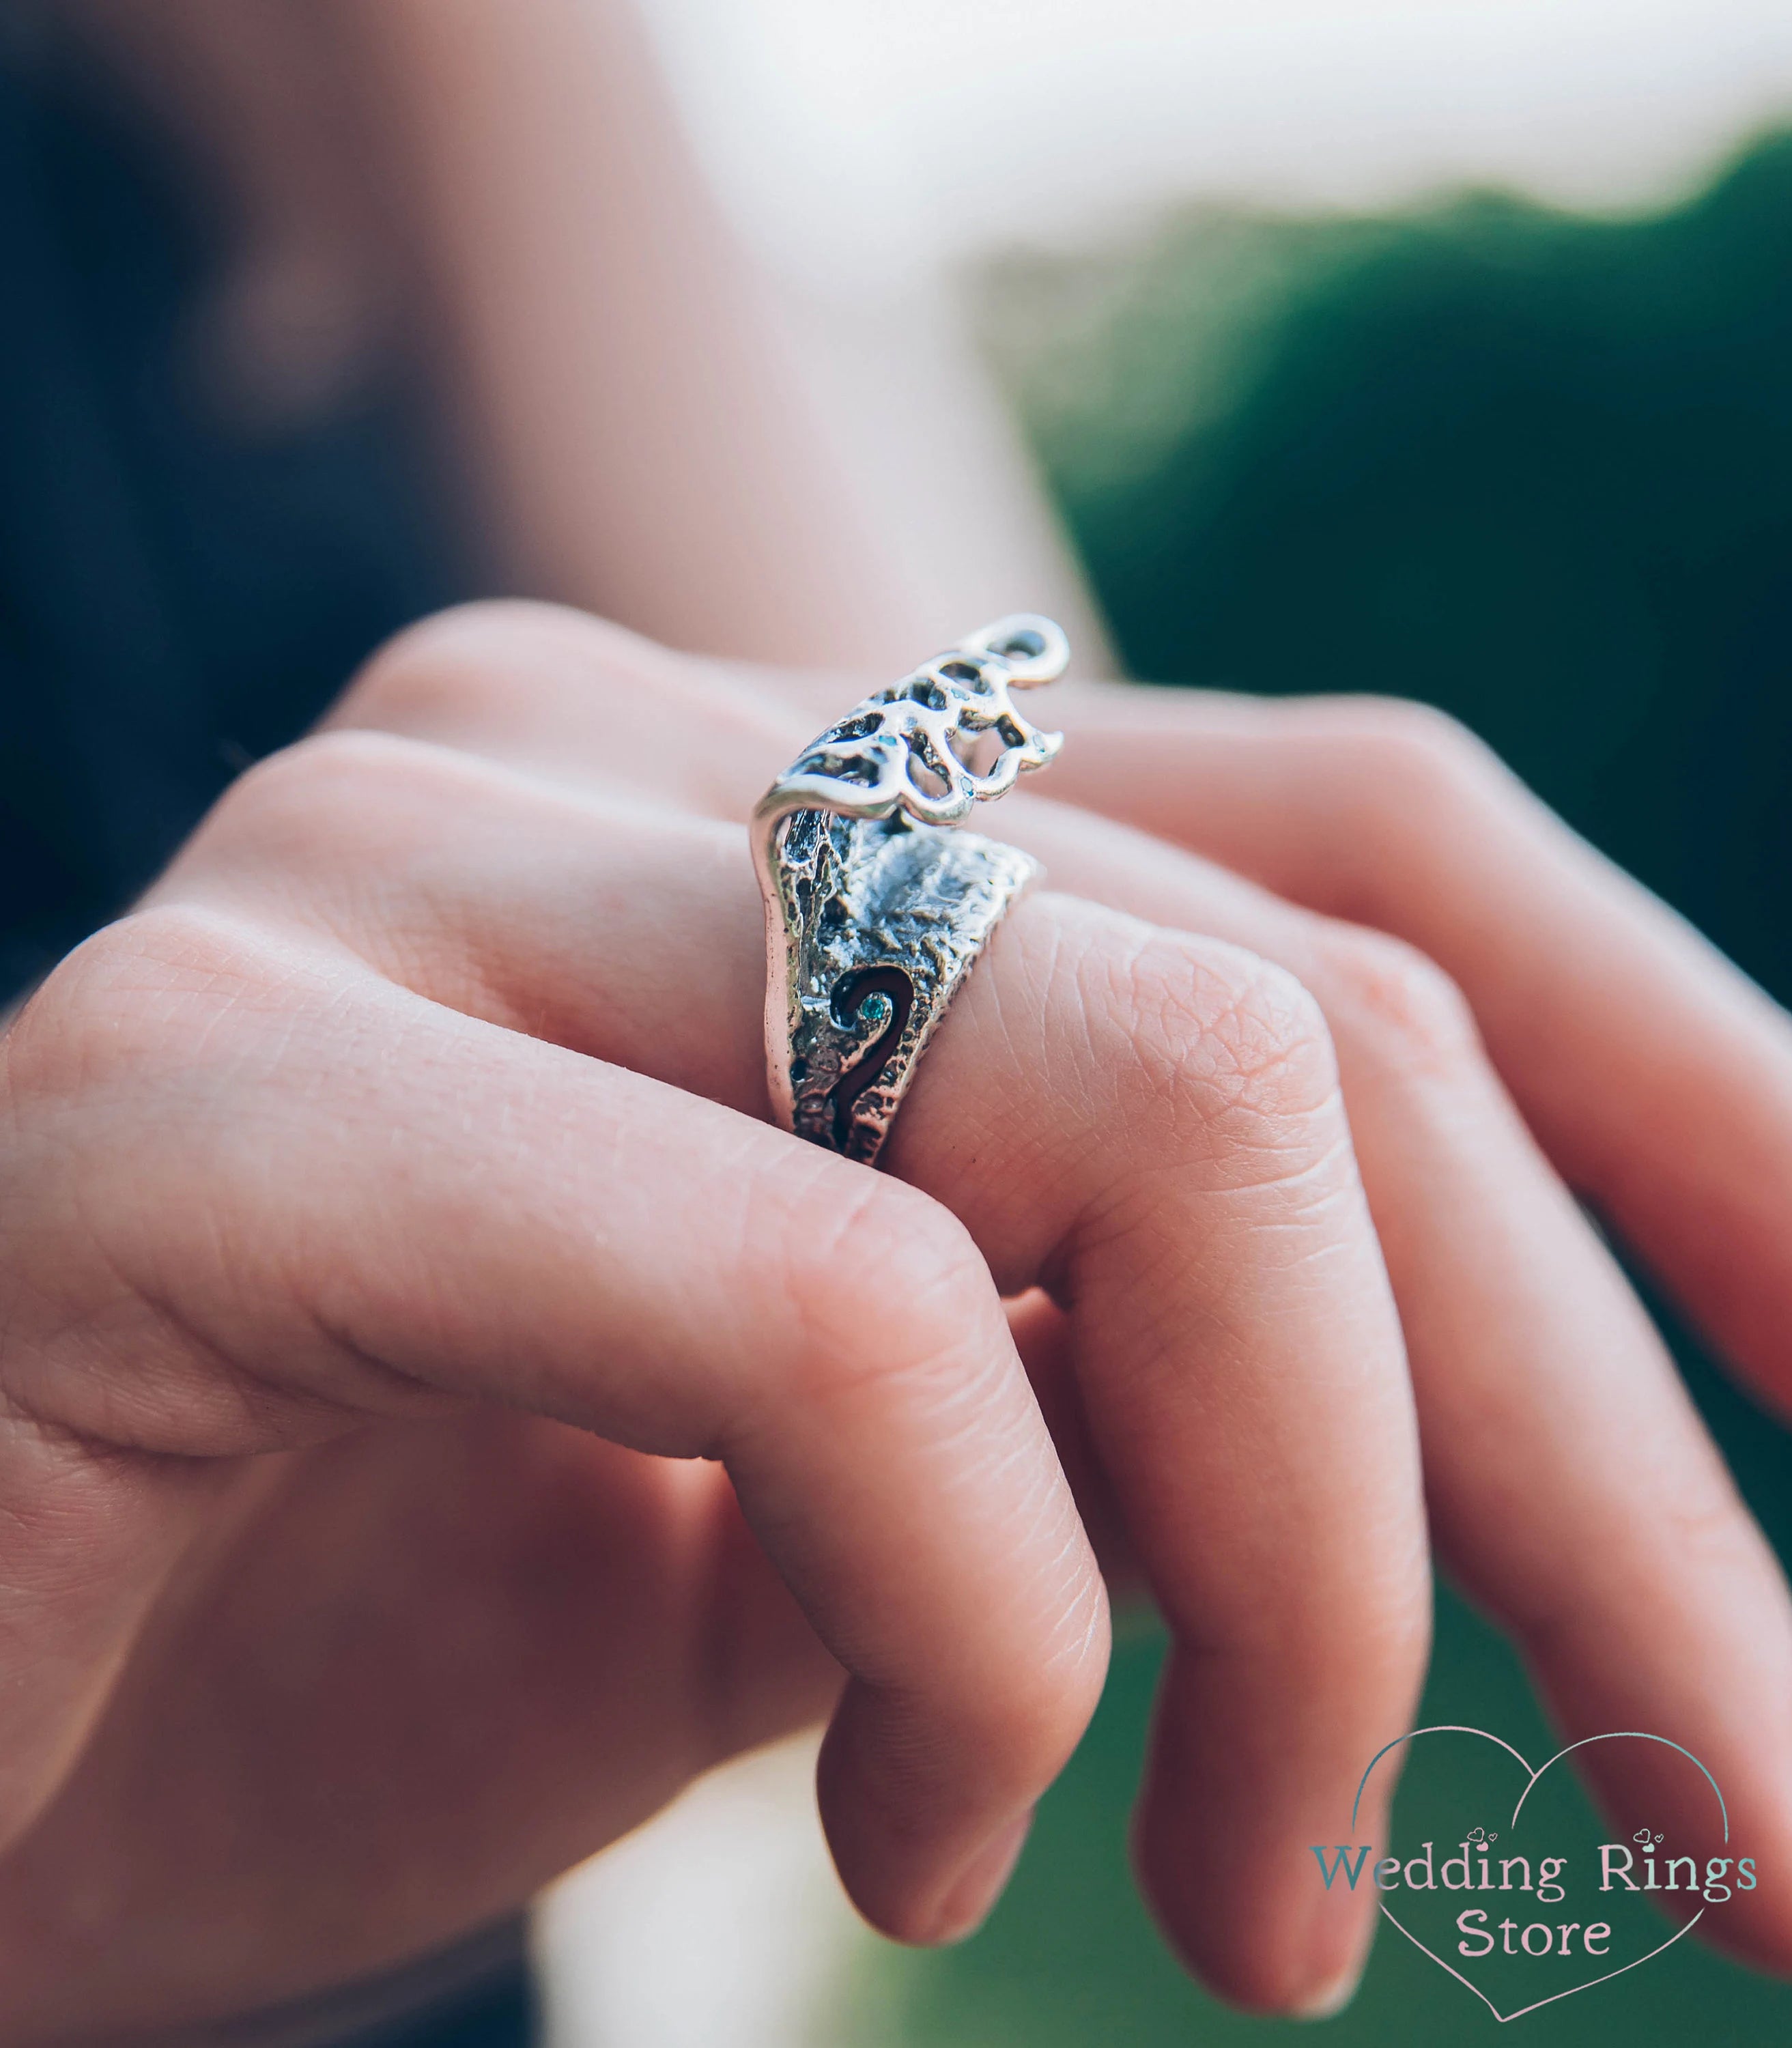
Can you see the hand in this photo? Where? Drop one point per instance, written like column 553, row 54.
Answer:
column 1490, row 955
column 371, row 1259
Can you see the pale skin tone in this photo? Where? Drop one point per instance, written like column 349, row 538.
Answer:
column 401, row 1283
column 443, row 1416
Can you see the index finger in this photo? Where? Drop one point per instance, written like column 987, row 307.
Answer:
column 364, row 1201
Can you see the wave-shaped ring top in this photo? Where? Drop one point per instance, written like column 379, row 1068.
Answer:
column 899, row 748
column 874, row 911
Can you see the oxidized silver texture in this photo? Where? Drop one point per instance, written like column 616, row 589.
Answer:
column 875, row 908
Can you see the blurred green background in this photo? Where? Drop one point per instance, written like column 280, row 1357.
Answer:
column 1533, row 468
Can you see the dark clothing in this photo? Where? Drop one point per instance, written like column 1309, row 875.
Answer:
column 177, row 597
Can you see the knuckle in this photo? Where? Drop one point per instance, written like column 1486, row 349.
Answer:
column 342, row 788
column 326, row 770
column 1192, row 1056
column 1416, row 744
column 322, row 779
column 1221, row 1033
column 1416, row 767
column 1391, row 990
column 449, row 663
column 886, row 1281
column 121, row 999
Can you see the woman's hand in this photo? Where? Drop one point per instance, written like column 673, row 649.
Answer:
column 1489, row 954
column 388, row 1223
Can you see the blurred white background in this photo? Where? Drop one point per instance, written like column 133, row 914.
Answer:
column 851, row 135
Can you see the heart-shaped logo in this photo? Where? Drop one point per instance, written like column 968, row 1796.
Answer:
column 1543, row 1955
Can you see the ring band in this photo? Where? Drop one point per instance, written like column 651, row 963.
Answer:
column 875, row 910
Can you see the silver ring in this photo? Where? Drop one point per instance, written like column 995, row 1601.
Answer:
column 875, row 908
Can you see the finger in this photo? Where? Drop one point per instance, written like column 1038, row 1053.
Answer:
column 575, row 700
column 1571, row 1484
column 1244, row 1381
column 369, row 1203
column 1046, row 1340
column 1147, row 1124
column 1657, row 1077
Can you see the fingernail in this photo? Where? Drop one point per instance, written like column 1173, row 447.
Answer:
column 1331, row 1999
column 977, row 1886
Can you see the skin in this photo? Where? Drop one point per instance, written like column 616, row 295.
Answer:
column 442, row 1417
